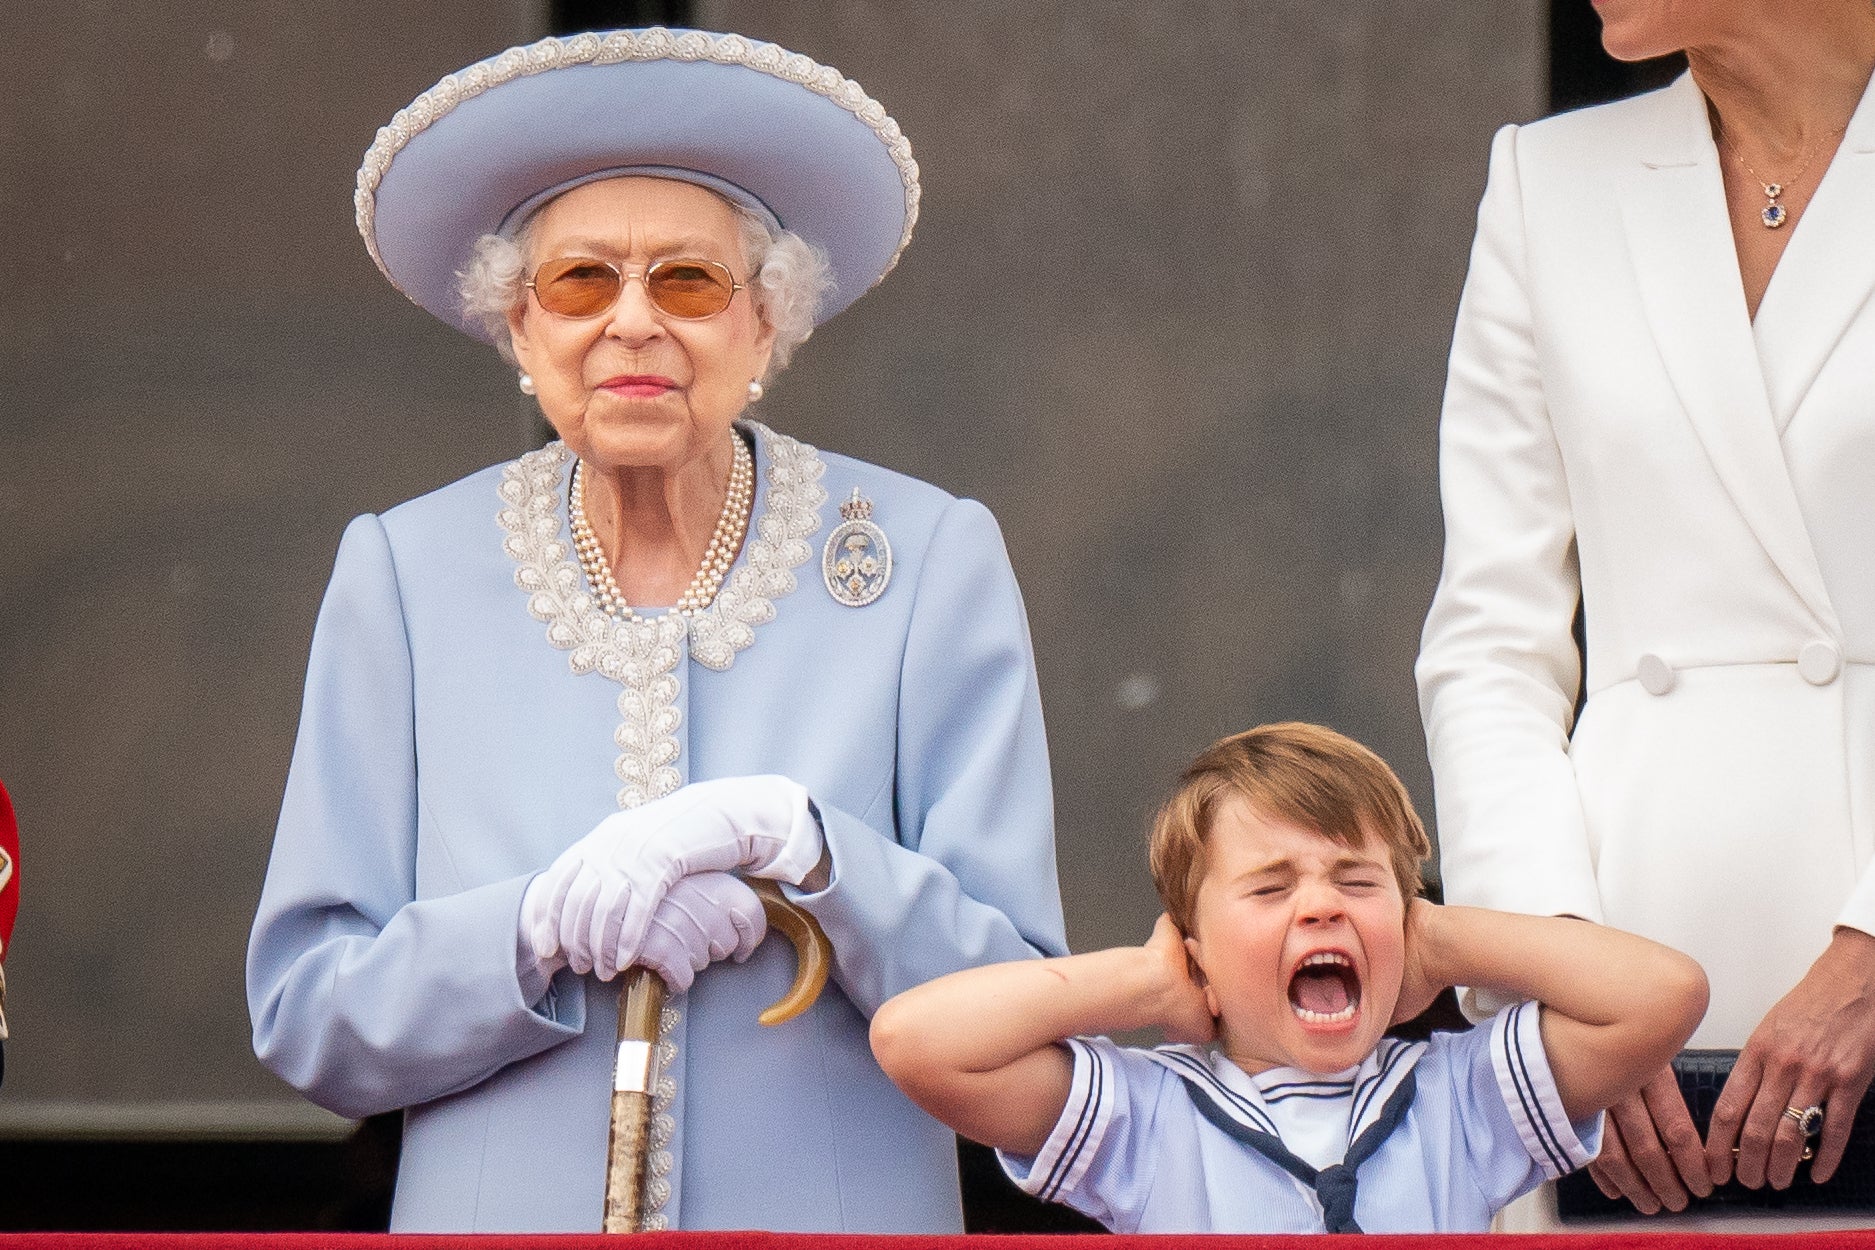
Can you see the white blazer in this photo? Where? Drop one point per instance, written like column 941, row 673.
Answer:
column 1617, row 428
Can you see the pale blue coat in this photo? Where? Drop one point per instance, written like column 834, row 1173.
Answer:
column 448, row 750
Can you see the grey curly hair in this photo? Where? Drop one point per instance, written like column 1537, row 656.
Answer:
column 788, row 278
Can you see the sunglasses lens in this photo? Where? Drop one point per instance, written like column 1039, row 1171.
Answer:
column 690, row 288
column 576, row 286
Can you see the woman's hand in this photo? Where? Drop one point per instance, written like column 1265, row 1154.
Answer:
column 1651, row 1152
column 595, row 903
column 1815, row 1048
column 1184, row 1013
column 703, row 918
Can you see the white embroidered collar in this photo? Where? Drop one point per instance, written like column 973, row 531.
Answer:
column 788, row 514
column 641, row 653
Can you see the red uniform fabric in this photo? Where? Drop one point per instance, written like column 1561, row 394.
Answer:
column 9, row 870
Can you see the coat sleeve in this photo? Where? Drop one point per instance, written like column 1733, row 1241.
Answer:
column 970, row 878
column 1498, row 668
column 364, row 997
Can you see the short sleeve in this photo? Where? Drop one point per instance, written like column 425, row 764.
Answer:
column 1098, row 1159
column 1507, row 1115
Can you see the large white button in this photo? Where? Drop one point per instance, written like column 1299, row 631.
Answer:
column 1655, row 674
column 1819, row 662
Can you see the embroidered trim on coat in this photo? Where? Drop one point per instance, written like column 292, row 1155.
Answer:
column 642, row 653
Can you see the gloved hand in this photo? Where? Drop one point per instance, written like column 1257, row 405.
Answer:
column 594, row 904
column 703, row 918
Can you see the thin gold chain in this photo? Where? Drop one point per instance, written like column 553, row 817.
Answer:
column 1774, row 214
column 1783, row 183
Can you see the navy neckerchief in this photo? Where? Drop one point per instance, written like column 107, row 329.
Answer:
column 1335, row 1185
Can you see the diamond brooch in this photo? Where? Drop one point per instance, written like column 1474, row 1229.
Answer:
column 856, row 563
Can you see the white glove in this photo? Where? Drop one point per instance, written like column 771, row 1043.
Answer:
column 594, row 903
column 703, row 918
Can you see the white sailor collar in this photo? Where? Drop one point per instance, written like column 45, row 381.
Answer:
column 1206, row 1074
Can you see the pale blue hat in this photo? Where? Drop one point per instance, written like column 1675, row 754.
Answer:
column 795, row 141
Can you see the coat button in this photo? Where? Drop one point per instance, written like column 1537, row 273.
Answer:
column 1819, row 662
column 1655, row 674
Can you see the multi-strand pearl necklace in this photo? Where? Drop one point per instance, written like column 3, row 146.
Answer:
column 731, row 527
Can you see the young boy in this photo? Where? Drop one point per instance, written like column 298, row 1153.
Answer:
column 1293, row 937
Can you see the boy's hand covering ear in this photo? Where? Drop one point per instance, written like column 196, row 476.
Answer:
column 1186, row 1013
column 1419, row 982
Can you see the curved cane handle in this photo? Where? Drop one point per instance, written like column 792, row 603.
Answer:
column 813, row 953
column 640, row 1006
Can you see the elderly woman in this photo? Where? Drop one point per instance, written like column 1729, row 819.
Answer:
column 1660, row 405
column 554, row 709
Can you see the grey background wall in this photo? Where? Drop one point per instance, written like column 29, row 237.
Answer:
column 1177, row 311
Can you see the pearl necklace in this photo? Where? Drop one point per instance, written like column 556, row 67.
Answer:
column 731, row 527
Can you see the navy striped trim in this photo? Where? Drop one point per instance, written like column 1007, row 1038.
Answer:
column 1305, row 1089
column 1326, row 1093
column 1337, row 1205
column 1269, row 1145
column 1527, row 1094
column 1201, row 1073
column 1083, row 1124
column 1395, row 1055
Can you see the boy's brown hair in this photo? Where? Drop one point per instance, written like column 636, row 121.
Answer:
column 1305, row 774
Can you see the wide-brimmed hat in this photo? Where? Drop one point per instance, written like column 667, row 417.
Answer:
column 796, row 141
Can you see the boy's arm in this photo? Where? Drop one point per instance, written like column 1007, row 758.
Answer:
column 978, row 1048
column 1616, row 1006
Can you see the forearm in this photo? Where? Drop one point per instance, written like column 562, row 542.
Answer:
column 363, row 1020
column 1588, row 972
column 1615, row 1006
column 977, row 1049
column 983, row 1019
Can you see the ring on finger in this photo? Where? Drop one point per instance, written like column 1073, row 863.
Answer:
column 1809, row 1120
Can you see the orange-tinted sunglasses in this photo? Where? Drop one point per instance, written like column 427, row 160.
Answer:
column 682, row 287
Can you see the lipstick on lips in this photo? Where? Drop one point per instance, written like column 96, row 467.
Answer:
column 638, row 385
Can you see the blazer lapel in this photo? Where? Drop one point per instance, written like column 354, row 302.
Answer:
column 1827, row 273
column 1673, row 207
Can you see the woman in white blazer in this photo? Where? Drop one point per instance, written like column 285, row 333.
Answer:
column 1662, row 404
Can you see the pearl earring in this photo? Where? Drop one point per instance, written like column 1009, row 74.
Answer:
column 755, row 391
column 526, row 383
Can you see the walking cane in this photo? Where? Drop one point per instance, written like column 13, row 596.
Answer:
column 634, row 1076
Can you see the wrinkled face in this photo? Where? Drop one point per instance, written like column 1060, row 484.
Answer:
column 1301, row 941
column 633, row 387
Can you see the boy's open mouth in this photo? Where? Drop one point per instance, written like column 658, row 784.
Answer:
column 1325, row 989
